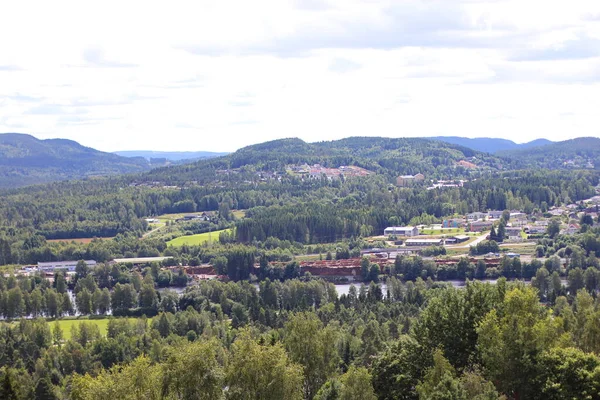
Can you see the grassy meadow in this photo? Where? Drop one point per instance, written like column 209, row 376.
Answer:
column 194, row 240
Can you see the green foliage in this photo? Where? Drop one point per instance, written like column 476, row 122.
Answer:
column 194, row 371
column 568, row 374
column 356, row 385
column 313, row 347
column 512, row 337
column 397, row 371
column 484, row 247
column 257, row 372
column 136, row 381
column 440, row 382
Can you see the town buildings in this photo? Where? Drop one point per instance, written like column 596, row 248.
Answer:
column 401, row 231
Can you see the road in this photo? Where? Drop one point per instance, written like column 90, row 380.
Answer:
column 145, row 235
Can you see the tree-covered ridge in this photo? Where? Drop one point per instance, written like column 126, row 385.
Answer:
column 390, row 157
column 576, row 153
column 491, row 145
column 25, row 160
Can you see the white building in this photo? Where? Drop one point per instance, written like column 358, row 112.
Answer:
column 475, row 216
column 494, row 214
column 424, row 242
column 401, row 231
column 68, row 265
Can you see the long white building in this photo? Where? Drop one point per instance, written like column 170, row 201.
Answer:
column 401, row 231
column 68, row 265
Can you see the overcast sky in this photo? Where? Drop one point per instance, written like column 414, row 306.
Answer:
column 218, row 75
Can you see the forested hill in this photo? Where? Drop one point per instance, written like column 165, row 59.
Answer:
column 491, row 145
column 25, row 160
column 386, row 156
column 579, row 153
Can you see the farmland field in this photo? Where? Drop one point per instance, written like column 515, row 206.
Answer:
column 196, row 239
column 67, row 324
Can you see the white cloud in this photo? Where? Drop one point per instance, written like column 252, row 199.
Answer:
column 220, row 75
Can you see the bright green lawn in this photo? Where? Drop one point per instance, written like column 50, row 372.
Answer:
column 196, row 239
column 66, row 324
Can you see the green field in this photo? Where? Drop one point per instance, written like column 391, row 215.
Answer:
column 67, row 324
column 196, row 239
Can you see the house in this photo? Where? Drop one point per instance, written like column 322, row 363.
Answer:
column 518, row 216
column 424, row 242
column 494, row 214
column 513, row 233
column 407, row 180
column 152, row 220
column 401, row 231
column 479, row 226
column 571, row 229
column 475, row 216
column 538, row 227
column 68, row 265
column 453, row 223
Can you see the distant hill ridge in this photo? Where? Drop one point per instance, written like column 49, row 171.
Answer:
column 579, row 153
column 26, row 160
column 387, row 156
column 170, row 155
column 490, row 145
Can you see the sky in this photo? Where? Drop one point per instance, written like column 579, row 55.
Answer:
column 218, row 75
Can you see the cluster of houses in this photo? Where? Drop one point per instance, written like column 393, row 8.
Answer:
column 195, row 217
column 579, row 162
column 518, row 227
column 49, row 267
column 447, row 184
column 317, row 171
column 153, row 185
column 413, row 233
column 408, row 180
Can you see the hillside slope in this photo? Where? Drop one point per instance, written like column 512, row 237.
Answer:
column 576, row 153
column 25, row 160
column 387, row 156
column 490, row 145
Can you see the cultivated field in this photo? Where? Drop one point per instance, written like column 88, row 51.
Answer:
column 67, row 324
column 196, row 239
